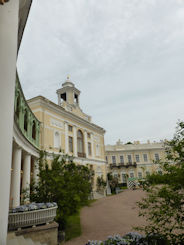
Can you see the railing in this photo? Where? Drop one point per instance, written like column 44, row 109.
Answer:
column 31, row 218
column 81, row 154
column 123, row 165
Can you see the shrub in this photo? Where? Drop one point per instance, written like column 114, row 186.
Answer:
column 67, row 184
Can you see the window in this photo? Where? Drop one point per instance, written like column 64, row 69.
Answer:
column 121, row 159
column 124, row 178
column 106, row 159
column 137, row 158
column 147, row 173
column 17, row 106
column 129, row 159
column 25, row 120
column 145, row 156
column 70, row 142
column 89, row 148
column 80, row 142
column 115, row 175
column 70, row 128
column 114, row 160
column 89, row 135
column 98, row 150
column 157, row 157
column 131, row 174
column 56, row 140
column 34, row 130
column 140, row 175
column 99, row 172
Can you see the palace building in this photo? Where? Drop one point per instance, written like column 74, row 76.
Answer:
column 65, row 127
column 133, row 160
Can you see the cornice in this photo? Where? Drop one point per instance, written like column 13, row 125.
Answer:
column 135, row 150
column 22, row 142
column 58, row 109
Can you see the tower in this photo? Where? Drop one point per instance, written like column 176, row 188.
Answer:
column 68, row 94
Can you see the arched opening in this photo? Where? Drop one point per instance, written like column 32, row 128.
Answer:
column 80, row 144
column 17, row 107
column 34, row 130
column 25, row 120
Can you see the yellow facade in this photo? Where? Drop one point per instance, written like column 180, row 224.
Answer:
column 133, row 160
column 65, row 127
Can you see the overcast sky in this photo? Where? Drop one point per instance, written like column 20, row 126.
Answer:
column 125, row 56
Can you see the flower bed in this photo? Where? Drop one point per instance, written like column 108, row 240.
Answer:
column 132, row 238
column 31, row 215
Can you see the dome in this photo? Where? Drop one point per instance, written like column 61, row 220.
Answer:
column 68, row 83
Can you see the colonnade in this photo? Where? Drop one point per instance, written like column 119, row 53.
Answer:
column 85, row 142
column 24, row 167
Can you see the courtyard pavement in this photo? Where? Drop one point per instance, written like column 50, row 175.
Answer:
column 109, row 216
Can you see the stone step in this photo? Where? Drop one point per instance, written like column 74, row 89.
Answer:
column 29, row 241
column 20, row 240
column 38, row 243
column 13, row 242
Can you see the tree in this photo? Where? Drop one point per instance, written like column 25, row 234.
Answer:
column 101, row 183
column 113, row 182
column 67, row 184
column 163, row 207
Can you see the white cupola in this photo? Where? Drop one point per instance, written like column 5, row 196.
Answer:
column 68, row 93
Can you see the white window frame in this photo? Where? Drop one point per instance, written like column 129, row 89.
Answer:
column 137, row 158
column 129, row 158
column 130, row 173
column 145, row 157
column 157, row 154
column 140, row 175
column 114, row 162
column 121, row 157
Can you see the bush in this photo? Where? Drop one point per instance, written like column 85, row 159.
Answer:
column 163, row 207
column 67, row 184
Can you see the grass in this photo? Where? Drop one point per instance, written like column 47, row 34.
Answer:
column 73, row 225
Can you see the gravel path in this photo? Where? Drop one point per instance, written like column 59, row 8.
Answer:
column 108, row 216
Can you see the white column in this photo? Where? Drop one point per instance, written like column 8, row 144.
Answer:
column 8, row 51
column 86, row 143
column 17, row 153
column 66, row 137
column 75, row 141
column 92, row 146
column 26, row 175
column 36, row 171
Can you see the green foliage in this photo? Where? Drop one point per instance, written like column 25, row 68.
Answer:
column 101, row 183
column 64, row 182
column 163, row 207
column 113, row 182
column 73, row 226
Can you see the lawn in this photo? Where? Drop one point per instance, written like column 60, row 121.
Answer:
column 73, row 225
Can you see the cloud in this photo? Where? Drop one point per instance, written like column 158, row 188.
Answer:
column 125, row 56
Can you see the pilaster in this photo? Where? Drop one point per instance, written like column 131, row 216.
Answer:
column 86, row 143
column 92, row 145
column 66, row 138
